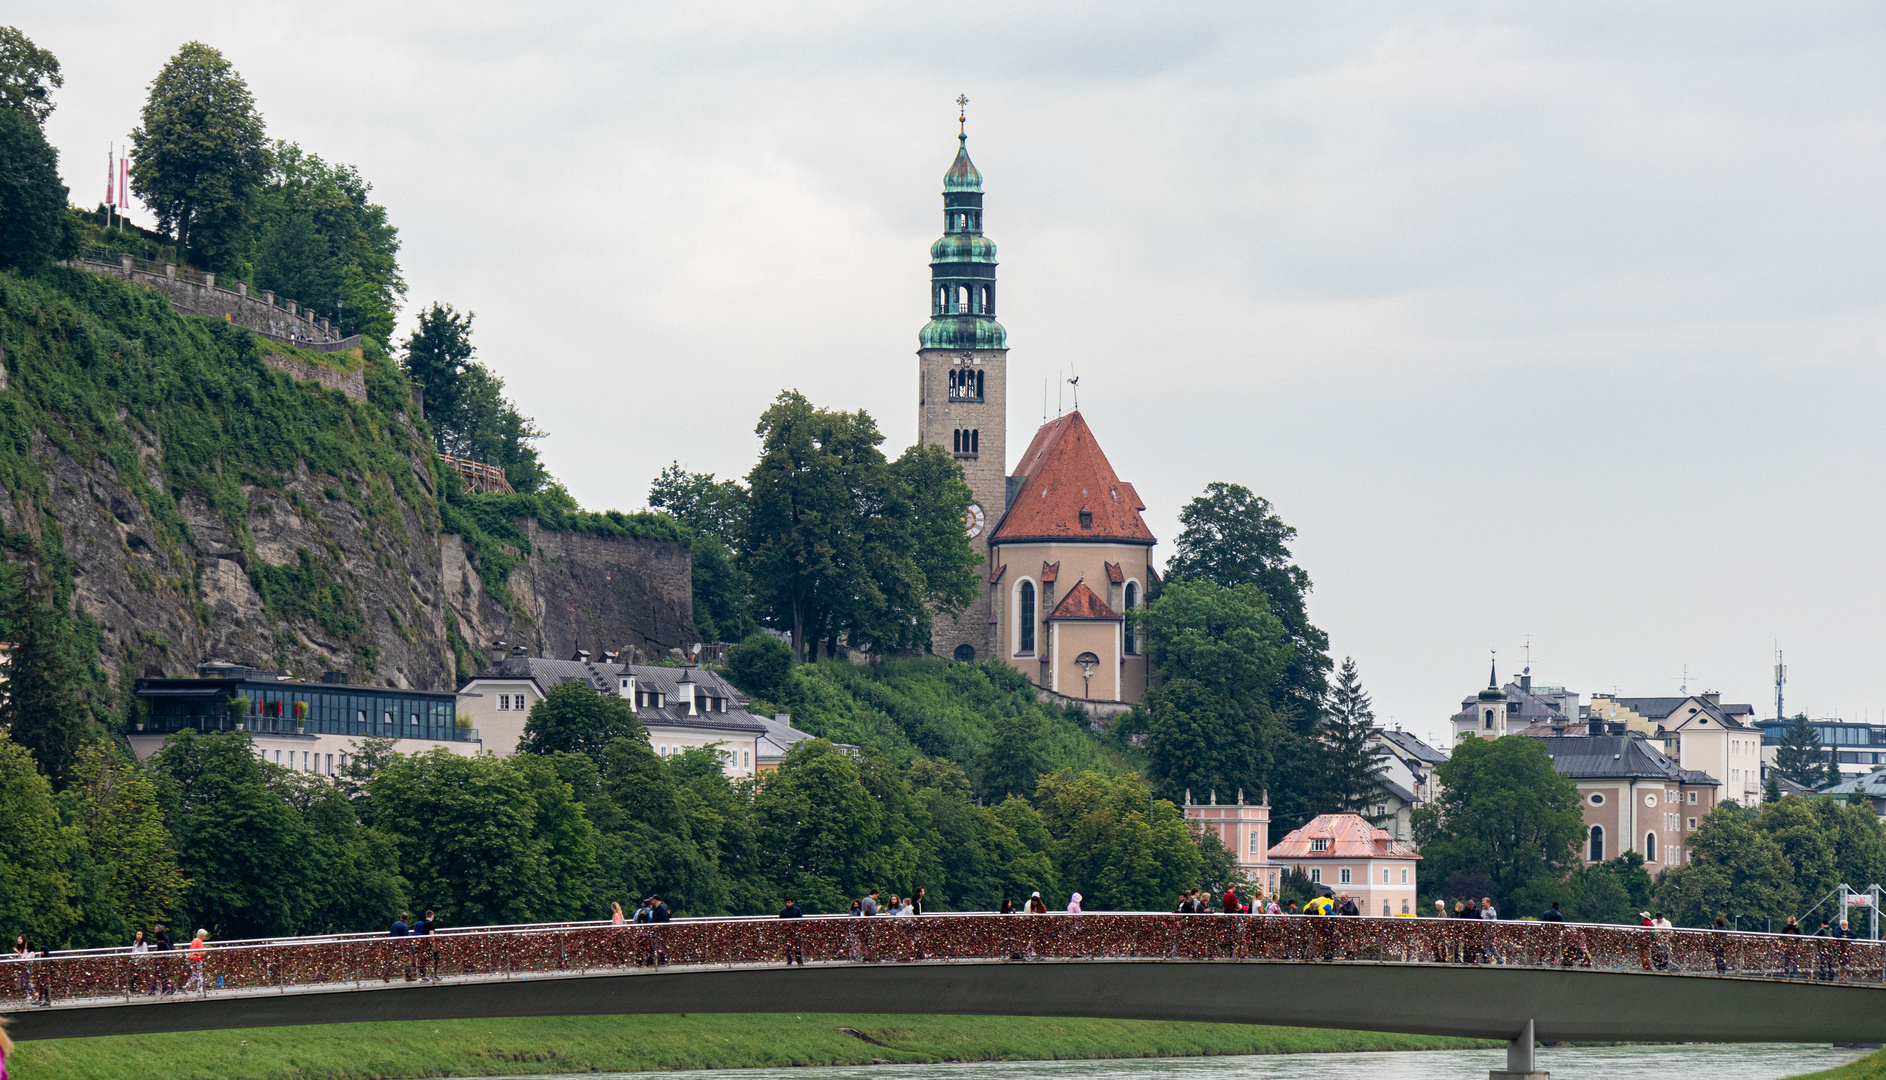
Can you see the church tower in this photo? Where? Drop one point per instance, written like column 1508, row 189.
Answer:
column 962, row 382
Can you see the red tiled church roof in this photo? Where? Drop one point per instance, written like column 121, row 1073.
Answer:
column 1081, row 602
column 1050, row 571
column 1064, row 473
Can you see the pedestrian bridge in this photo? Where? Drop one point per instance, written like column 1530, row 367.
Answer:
column 1564, row 981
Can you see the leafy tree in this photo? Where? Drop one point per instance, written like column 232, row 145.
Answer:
column 28, row 76
column 1505, row 811
column 354, row 882
column 1858, row 840
column 35, row 228
column 36, row 890
column 817, row 826
column 1017, row 757
column 117, row 808
column 1218, row 653
column 1734, row 869
column 42, row 709
column 761, row 665
column 722, row 609
column 1771, row 789
column 1807, row 846
column 487, row 840
column 1801, row 758
column 464, row 403
column 1116, row 845
column 1352, row 761
column 1609, row 892
column 324, row 243
column 243, row 847
column 839, row 541
column 573, row 718
column 200, row 157
column 708, row 506
column 1231, row 537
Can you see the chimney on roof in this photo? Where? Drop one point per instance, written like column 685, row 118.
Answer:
column 684, row 692
column 625, row 686
column 1714, row 697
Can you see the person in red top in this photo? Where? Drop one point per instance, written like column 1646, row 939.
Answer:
column 195, row 951
column 1232, row 907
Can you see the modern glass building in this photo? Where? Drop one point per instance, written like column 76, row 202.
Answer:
column 230, row 697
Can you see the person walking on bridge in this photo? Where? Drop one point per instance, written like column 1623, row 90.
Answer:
column 195, row 951
column 793, row 952
column 616, row 918
column 869, row 905
column 1791, row 950
column 428, row 950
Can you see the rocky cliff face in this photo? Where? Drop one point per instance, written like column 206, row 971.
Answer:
column 577, row 591
column 206, row 504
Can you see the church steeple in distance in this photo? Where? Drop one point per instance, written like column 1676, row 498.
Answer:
column 962, row 383
column 962, row 261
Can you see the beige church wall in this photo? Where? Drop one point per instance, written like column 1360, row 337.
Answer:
column 1073, row 637
column 1077, row 560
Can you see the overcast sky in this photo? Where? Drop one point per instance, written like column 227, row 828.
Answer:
column 1547, row 319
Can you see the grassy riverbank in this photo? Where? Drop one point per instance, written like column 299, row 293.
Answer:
column 1870, row 1067
column 581, row 1044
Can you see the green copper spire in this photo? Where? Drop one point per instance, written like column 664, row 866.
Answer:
column 962, row 262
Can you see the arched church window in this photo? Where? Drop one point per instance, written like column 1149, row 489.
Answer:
column 1650, row 847
column 1597, row 843
column 975, row 441
column 1489, row 724
column 962, row 298
column 978, row 384
column 1027, row 622
column 1132, row 598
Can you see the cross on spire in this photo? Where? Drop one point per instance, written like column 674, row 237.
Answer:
column 962, row 116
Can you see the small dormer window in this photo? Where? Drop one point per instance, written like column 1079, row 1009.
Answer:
column 1319, row 844
column 1087, row 519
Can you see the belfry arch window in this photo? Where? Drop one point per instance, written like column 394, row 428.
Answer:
column 988, row 299
column 962, row 298
column 1650, row 847
column 1026, row 623
column 1597, row 843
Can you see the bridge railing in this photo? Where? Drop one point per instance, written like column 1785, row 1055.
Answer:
column 358, row 962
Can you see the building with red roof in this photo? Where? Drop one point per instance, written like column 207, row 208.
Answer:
column 1346, row 853
column 1068, row 555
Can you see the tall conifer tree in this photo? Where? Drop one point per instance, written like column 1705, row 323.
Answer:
column 1352, row 763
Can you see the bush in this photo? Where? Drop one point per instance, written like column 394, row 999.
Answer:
column 760, row 665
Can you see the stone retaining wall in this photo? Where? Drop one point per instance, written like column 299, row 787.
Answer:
column 258, row 313
column 352, row 383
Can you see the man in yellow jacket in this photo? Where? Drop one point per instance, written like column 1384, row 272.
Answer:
column 1321, row 905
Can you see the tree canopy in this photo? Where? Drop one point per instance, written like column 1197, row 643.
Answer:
column 322, row 242
column 840, row 541
column 1351, row 759
column 200, row 157
column 35, row 228
column 1230, row 536
column 1503, row 812
column 28, row 76
column 1801, row 757
column 465, row 405
column 572, row 718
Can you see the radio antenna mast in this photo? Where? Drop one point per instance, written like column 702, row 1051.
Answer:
column 1781, row 678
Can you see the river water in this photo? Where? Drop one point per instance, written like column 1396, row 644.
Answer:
column 1717, row 1062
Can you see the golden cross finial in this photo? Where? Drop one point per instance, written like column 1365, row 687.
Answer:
column 962, row 114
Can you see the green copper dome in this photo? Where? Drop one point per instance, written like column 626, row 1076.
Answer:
column 962, row 332
column 961, row 248
column 963, row 174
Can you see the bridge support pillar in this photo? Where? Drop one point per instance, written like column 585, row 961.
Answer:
column 1519, row 1064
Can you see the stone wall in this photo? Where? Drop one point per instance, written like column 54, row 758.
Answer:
column 352, row 383
column 198, row 294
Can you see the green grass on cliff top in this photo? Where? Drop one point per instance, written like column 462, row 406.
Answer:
column 581, row 1044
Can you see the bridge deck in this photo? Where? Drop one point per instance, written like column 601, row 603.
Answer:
column 1424, row 976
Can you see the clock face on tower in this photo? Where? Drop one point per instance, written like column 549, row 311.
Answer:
column 972, row 520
